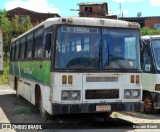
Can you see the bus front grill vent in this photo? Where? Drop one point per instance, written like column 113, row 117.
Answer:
column 102, row 94
column 101, row 79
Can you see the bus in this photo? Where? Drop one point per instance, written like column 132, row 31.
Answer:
column 150, row 62
column 78, row 65
column 1, row 52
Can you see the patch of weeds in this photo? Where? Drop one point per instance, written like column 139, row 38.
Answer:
column 115, row 114
column 4, row 77
column 22, row 110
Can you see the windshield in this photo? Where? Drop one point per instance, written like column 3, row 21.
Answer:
column 95, row 48
column 156, row 52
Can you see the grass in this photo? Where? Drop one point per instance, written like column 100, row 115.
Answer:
column 5, row 76
column 115, row 114
column 22, row 110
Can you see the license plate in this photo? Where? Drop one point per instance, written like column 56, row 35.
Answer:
column 103, row 108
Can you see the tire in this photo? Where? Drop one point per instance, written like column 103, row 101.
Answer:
column 43, row 113
column 148, row 103
column 16, row 87
column 105, row 114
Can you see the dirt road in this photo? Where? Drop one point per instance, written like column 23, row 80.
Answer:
column 16, row 111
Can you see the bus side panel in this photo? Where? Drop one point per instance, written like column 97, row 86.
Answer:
column 11, row 75
column 148, row 82
column 17, row 68
column 45, row 91
column 41, row 71
column 27, row 90
column 11, row 80
column 32, row 74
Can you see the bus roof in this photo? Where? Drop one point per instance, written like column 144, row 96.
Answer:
column 84, row 21
column 150, row 37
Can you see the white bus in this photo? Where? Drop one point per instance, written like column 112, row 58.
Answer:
column 150, row 62
column 1, row 52
column 78, row 65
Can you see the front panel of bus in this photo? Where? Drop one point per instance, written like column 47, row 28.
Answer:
column 96, row 69
column 151, row 64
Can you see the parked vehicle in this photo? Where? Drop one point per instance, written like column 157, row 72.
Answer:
column 150, row 62
column 78, row 65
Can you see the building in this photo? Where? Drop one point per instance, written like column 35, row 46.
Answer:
column 93, row 9
column 35, row 16
column 152, row 22
column 100, row 9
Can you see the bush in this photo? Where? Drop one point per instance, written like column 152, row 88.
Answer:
column 4, row 78
column 148, row 31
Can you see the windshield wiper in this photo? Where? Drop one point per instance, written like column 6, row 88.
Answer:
column 119, row 63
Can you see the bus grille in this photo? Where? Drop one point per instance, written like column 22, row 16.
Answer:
column 102, row 94
column 101, row 79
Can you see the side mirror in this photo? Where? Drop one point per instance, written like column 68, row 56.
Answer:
column 47, row 41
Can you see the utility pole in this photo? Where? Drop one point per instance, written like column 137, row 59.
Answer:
column 120, row 8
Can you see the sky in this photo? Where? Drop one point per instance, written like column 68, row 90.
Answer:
column 130, row 8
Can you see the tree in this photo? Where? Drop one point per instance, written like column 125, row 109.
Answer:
column 5, row 25
column 148, row 31
column 12, row 28
column 20, row 26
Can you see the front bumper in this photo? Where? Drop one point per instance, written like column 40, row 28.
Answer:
column 91, row 108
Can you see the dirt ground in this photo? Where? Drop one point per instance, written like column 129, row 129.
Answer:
column 13, row 110
column 17, row 110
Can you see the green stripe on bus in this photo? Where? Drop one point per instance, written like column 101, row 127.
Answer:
column 35, row 70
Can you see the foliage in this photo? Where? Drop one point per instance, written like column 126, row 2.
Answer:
column 148, row 31
column 11, row 29
column 5, row 25
column 22, row 110
column 20, row 26
column 115, row 114
column 4, row 77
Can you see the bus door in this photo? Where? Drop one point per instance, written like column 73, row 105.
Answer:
column 147, row 67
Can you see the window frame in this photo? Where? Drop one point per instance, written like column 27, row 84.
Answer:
column 30, row 42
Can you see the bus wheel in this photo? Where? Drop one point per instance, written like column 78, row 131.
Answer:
column 43, row 113
column 148, row 103
column 105, row 114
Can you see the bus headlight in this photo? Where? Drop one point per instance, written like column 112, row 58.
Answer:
column 75, row 95
column 70, row 95
column 135, row 94
column 65, row 94
column 132, row 93
column 127, row 94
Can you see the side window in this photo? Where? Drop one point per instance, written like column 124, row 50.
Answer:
column 22, row 48
column 146, row 60
column 46, row 52
column 29, row 45
column 38, row 51
column 17, row 50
